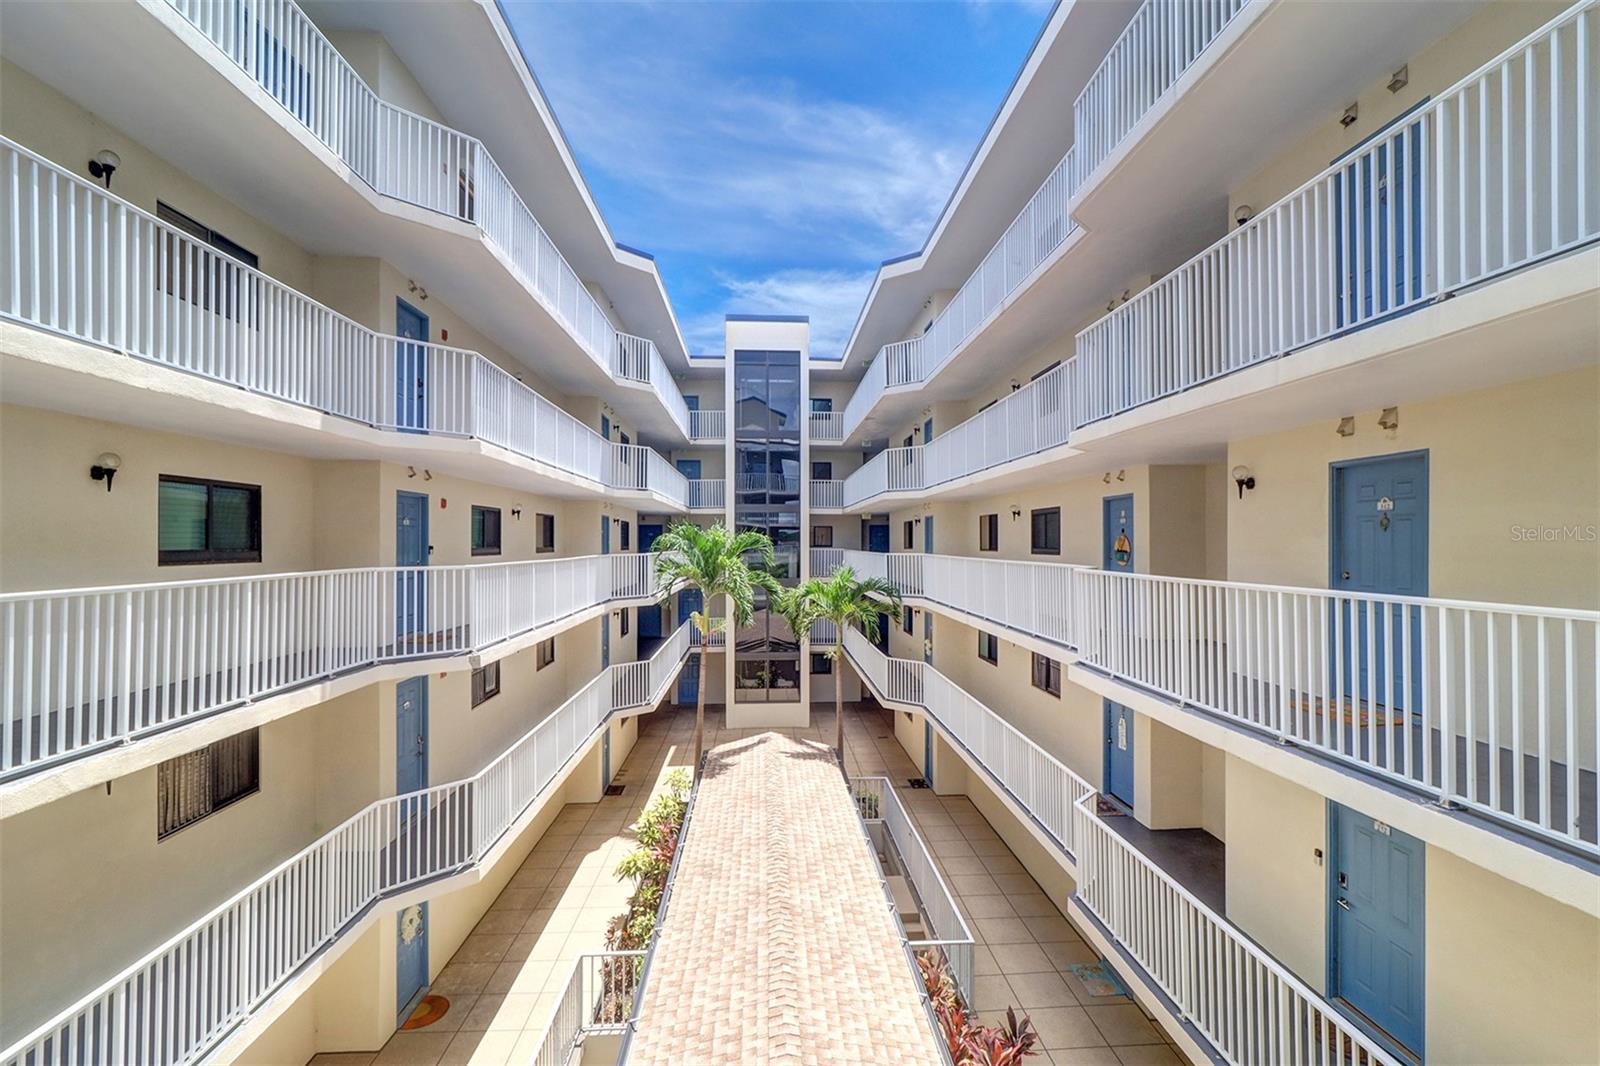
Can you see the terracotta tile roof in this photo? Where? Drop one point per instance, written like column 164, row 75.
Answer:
column 779, row 945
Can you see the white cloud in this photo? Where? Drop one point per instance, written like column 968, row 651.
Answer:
column 831, row 297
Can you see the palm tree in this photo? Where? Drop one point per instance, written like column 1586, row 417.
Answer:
column 714, row 562
column 845, row 600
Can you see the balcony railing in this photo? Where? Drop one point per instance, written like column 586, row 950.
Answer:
column 1490, row 706
column 708, row 494
column 638, row 469
column 599, row 999
column 1032, row 419
column 637, row 359
column 1163, row 39
column 1039, row 229
column 827, row 426
column 827, row 495
column 1493, row 175
column 91, row 266
column 93, row 668
column 1248, row 1006
column 411, row 158
column 1034, row 599
column 825, row 561
column 1037, row 780
column 175, row 1004
column 1245, row 1003
column 708, row 425
column 948, row 935
column 781, row 483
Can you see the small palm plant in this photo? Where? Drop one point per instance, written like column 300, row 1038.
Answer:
column 715, row 562
column 846, row 600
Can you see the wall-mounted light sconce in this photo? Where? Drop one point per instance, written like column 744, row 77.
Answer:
column 516, row 512
column 1349, row 117
column 1347, row 426
column 104, row 164
column 1389, row 419
column 1400, row 79
column 1243, row 213
column 1015, row 384
column 105, row 468
column 1243, row 478
column 416, row 290
column 1016, row 512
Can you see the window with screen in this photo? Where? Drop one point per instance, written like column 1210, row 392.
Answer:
column 988, row 532
column 1046, row 531
column 203, row 782
column 1046, row 674
column 485, row 682
column 202, row 521
column 486, row 531
column 989, row 648
column 544, row 533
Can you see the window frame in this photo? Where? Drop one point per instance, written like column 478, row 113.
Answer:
column 209, row 555
column 990, row 524
column 822, row 536
column 1043, row 676
column 909, row 539
column 482, row 690
column 499, row 530
column 544, row 654
column 826, row 663
column 826, row 471
column 542, row 546
column 993, row 642
column 908, row 621
column 1033, row 533
column 622, row 625
column 622, row 538
column 166, row 768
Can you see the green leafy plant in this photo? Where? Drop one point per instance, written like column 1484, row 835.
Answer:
column 647, row 865
column 846, row 600
column 717, row 563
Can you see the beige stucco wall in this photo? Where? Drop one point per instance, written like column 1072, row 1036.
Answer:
column 1519, row 456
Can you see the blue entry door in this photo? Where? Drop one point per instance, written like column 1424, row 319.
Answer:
column 411, row 735
column 1119, row 752
column 1376, row 922
column 605, row 535
column 689, row 601
column 878, row 537
column 927, row 752
column 650, row 616
column 410, row 550
column 927, row 534
column 1380, row 547
column 410, row 369
column 1116, row 537
column 605, row 757
column 605, row 641
column 1378, row 218
column 411, row 957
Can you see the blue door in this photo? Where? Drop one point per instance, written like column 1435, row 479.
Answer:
column 410, row 550
column 927, row 752
column 605, row 535
column 1380, row 546
column 878, row 537
column 605, row 758
column 927, row 431
column 689, row 601
column 689, row 468
column 605, row 427
column 410, row 369
column 411, row 735
column 1378, row 216
column 649, row 617
column 927, row 534
column 1375, row 922
column 1116, row 538
column 1119, row 753
column 411, row 957
column 605, row 641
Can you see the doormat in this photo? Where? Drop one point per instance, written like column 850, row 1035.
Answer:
column 1106, row 809
column 428, row 1010
column 1097, row 979
column 614, row 790
column 918, row 782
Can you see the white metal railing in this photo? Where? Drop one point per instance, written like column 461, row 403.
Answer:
column 825, row 561
column 1035, row 599
column 767, row 483
column 1493, row 175
column 89, row 265
column 599, row 998
column 638, row 360
column 1487, row 705
column 174, row 1004
column 708, row 425
column 827, row 426
column 1160, row 42
column 1035, row 779
column 408, row 157
column 91, row 668
column 1248, row 1006
column 1038, row 230
column 877, row 801
column 1030, row 420
column 827, row 495
column 707, row 494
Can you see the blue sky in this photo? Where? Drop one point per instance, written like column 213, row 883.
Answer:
column 771, row 155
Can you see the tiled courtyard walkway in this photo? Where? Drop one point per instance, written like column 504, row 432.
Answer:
column 504, row 980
